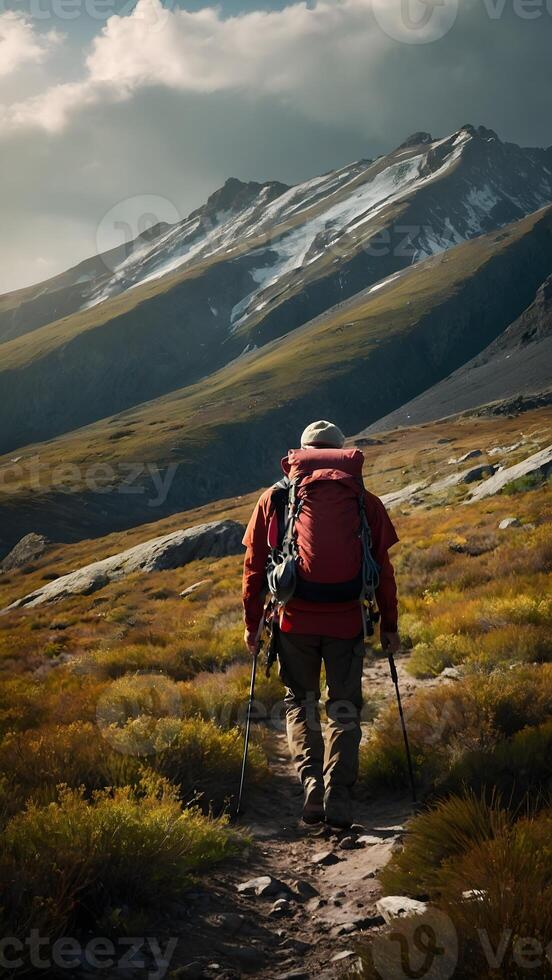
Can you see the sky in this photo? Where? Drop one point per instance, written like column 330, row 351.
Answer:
column 114, row 113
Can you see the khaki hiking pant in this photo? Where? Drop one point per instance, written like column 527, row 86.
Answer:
column 300, row 659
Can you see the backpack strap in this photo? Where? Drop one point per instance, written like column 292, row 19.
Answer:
column 370, row 571
column 293, row 509
column 279, row 501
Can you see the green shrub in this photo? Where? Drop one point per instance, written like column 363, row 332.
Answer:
column 446, row 650
column 222, row 695
column 446, row 723
column 437, row 835
column 35, row 762
column 532, row 481
column 519, row 768
column 68, row 863
column 195, row 755
column 491, row 888
column 21, row 704
column 118, row 661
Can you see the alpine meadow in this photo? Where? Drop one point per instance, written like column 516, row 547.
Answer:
column 275, row 473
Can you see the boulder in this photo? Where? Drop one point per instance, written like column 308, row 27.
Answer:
column 304, row 889
column 27, row 550
column 538, row 463
column 325, row 858
column 472, row 454
column 193, row 588
column 509, row 522
column 281, row 908
column 231, row 922
column 403, row 496
column 265, row 886
column 215, row 540
column 399, row 907
column 478, row 473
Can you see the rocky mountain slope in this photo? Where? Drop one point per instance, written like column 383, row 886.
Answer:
column 518, row 362
column 254, row 263
column 221, row 436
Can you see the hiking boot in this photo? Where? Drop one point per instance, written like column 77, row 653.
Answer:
column 313, row 803
column 338, row 809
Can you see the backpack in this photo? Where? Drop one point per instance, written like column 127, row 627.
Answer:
column 319, row 536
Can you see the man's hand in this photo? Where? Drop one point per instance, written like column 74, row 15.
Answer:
column 251, row 641
column 390, row 642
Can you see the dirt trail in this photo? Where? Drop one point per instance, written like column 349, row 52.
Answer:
column 231, row 934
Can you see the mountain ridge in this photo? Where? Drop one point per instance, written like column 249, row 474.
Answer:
column 243, row 276
column 220, row 436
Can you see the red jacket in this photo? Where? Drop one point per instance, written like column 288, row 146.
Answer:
column 324, row 619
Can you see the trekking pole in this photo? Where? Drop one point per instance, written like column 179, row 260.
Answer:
column 395, row 679
column 248, row 720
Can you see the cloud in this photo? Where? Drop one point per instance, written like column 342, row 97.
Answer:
column 278, row 53
column 20, row 44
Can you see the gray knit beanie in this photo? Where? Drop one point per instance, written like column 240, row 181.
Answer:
column 322, row 433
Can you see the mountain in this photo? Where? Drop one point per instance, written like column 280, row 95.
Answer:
column 223, row 435
column 256, row 262
column 518, row 362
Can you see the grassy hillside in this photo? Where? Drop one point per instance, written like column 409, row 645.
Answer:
column 470, row 595
column 220, row 435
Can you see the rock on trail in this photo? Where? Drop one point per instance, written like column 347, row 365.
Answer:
column 214, row 540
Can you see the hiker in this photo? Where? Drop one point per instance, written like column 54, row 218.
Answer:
column 321, row 571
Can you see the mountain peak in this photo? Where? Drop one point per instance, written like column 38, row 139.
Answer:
column 483, row 132
column 237, row 194
column 416, row 139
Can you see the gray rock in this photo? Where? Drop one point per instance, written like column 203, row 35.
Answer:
column 397, row 497
column 231, row 922
column 296, row 945
column 347, row 844
column 451, row 673
column 540, row 463
column 509, row 522
column 399, row 907
column 265, row 886
column 304, row 889
column 281, row 908
column 27, row 550
column 478, row 473
column 472, row 454
column 325, row 858
column 368, row 840
column 248, row 956
column 193, row 588
column 213, row 540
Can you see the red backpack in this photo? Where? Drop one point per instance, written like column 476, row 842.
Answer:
column 319, row 535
